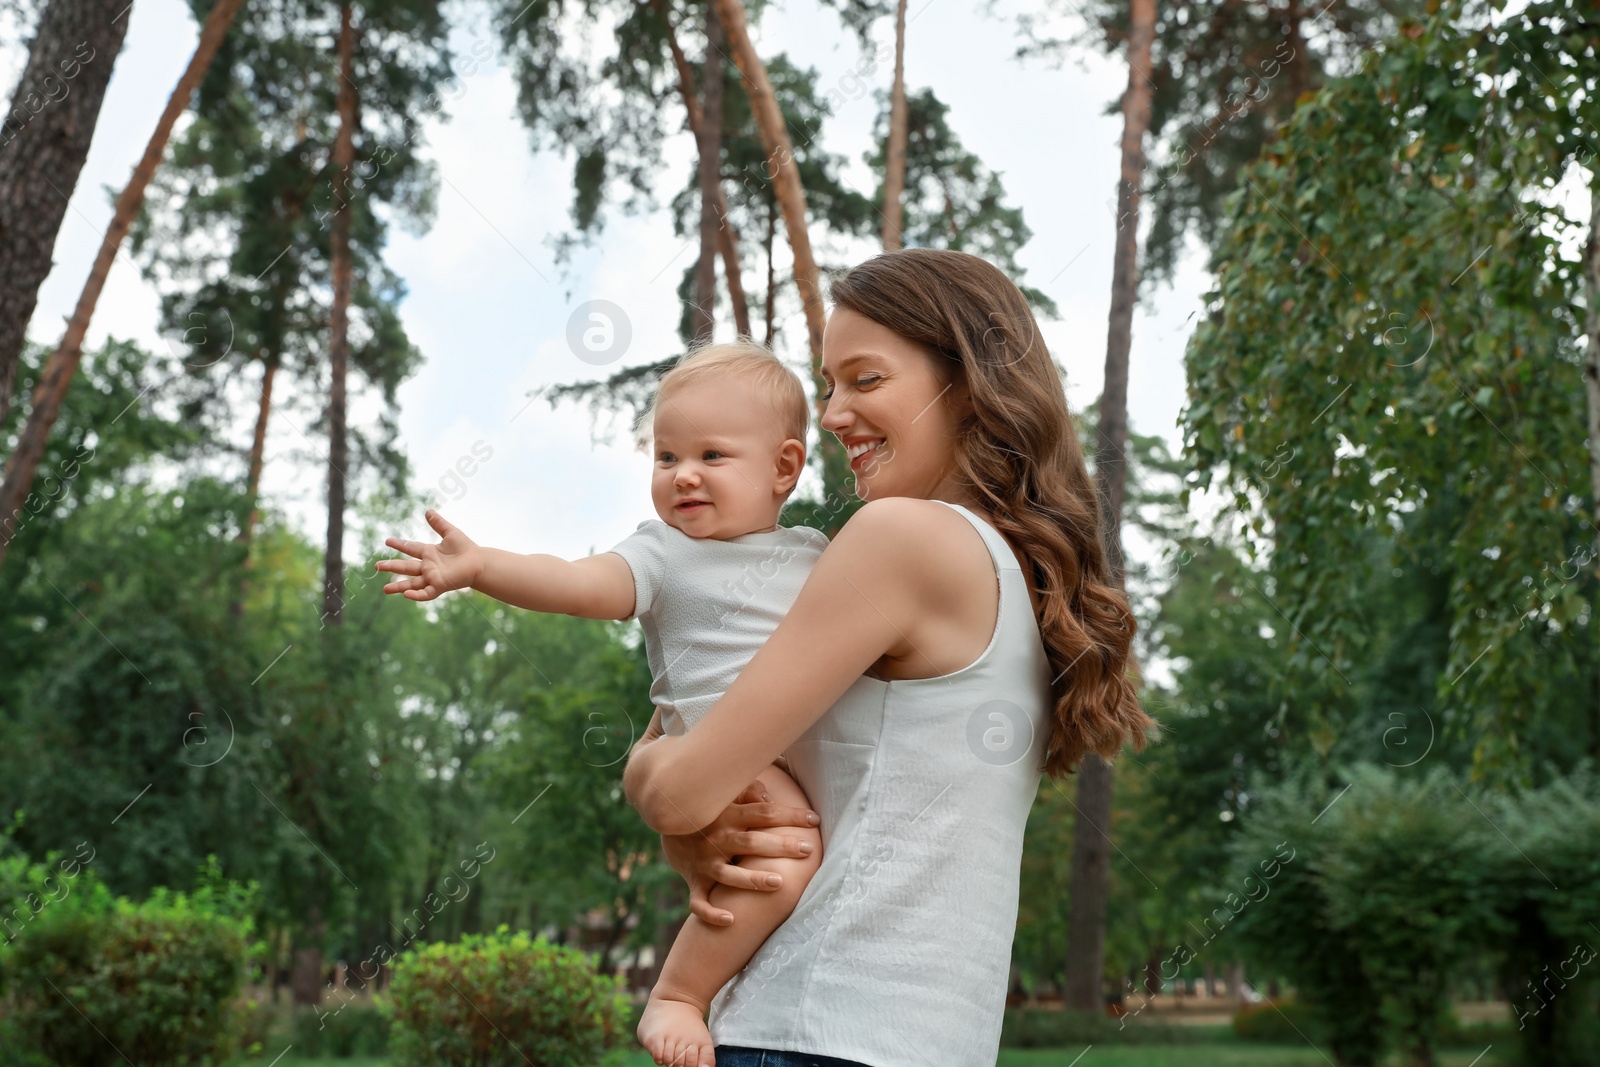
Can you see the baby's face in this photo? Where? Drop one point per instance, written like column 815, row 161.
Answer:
column 716, row 460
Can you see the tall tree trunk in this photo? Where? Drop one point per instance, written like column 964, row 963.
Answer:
column 44, row 139
column 258, row 447
column 1591, row 363
column 894, row 178
column 1091, row 842
column 1591, row 381
column 727, row 236
column 710, row 141
column 772, row 270
column 306, row 981
column 792, row 198
column 63, row 362
column 344, row 155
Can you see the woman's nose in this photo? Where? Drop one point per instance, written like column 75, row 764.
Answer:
column 834, row 419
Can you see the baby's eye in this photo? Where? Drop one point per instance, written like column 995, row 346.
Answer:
column 711, row 452
column 666, row 457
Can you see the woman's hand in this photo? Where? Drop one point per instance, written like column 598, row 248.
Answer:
column 453, row 563
column 706, row 858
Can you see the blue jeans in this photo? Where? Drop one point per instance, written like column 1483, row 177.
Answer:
column 733, row 1056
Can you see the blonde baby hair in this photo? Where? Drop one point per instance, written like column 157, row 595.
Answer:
column 753, row 362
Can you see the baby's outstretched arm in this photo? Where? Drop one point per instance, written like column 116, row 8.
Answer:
column 597, row 587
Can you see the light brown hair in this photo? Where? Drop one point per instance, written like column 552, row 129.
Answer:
column 756, row 363
column 1019, row 453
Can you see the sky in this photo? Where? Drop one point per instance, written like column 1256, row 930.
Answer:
column 492, row 312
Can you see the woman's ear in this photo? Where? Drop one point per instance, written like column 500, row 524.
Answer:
column 790, row 463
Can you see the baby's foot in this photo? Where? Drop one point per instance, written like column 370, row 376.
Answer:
column 675, row 1035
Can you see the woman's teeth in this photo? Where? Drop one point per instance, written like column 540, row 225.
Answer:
column 863, row 448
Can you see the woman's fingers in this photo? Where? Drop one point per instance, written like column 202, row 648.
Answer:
column 753, row 793
column 756, row 843
column 742, row 877
column 778, row 815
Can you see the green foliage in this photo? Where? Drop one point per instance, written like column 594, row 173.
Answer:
column 1401, row 877
column 951, row 199
column 357, row 1029
column 94, row 979
column 1277, row 1022
column 1224, row 78
column 506, row 999
column 1393, row 347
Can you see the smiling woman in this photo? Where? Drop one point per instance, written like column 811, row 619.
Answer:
column 957, row 639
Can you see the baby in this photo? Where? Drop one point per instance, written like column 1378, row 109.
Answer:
column 708, row 582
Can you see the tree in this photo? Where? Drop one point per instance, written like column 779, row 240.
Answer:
column 1396, row 325
column 63, row 362
column 1091, row 848
column 792, row 201
column 45, row 136
column 1224, row 78
column 894, row 171
column 344, row 154
column 726, row 238
column 949, row 198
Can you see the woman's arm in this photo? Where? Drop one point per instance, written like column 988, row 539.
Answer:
column 705, row 858
column 866, row 592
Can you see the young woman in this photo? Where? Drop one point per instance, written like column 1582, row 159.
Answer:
column 956, row 640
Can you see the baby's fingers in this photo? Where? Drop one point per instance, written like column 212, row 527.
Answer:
column 410, row 548
column 700, row 905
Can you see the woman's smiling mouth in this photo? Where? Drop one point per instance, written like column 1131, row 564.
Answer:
column 863, row 448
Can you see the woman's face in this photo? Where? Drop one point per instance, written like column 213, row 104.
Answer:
column 892, row 407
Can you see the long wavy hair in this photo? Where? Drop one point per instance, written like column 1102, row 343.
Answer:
column 1019, row 453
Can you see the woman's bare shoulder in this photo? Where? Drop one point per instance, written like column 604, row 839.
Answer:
column 936, row 544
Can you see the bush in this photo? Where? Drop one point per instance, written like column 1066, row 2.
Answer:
column 93, row 980
column 1277, row 1022
column 359, row 1028
column 502, row 998
column 1034, row 1028
column 1290, row 928
column 1396, row 887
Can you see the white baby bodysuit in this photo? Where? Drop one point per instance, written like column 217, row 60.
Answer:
column 707, row 606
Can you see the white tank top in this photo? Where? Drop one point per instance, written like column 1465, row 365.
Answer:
column 899, row 950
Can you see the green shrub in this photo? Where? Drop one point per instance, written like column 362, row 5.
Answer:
column 1277, row 1022
column 1035, row 1028
column 93, row 980
column 1548, row 867
column 504, row 999
column 358, row 1028
column 1397, row 886
column 1281, row 849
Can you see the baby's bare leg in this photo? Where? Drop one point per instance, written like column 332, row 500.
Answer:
column 704, row 957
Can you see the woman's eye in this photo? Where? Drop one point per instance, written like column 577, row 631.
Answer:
column 868, row 380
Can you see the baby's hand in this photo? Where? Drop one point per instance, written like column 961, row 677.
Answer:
column 454, row 563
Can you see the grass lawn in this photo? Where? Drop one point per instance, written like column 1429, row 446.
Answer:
column 1240, row 1055
column 1229, row 1055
